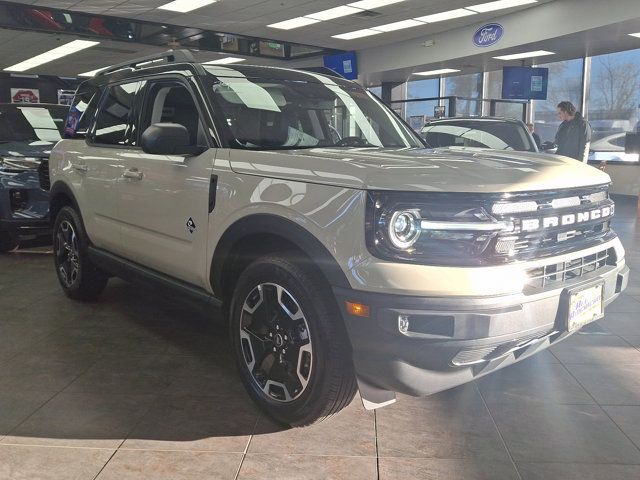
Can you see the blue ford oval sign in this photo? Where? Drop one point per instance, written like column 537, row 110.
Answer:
column 488, row 35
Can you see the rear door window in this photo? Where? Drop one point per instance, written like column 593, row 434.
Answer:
column 82, row 111
column 114, row 120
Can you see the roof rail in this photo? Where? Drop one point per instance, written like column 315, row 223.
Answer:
column 170, row 56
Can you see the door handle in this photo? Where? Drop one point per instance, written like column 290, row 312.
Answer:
column 133, row 174
column 80, row 167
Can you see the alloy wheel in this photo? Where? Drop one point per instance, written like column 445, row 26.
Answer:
column 67, row 253
column 276, row 342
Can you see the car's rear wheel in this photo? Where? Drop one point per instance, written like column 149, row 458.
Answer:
column 292, row 348
column 78, row 277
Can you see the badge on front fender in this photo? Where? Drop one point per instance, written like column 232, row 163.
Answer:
column 191, row 225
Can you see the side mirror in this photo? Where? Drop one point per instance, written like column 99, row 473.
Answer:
column 549, row 147
column 168, row 139
column 632, row 143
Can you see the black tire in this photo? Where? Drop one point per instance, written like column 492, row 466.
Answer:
column 7, row 242
column 331, row 382
column 78, row 277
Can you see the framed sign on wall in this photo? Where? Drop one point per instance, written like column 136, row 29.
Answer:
column 25, row 95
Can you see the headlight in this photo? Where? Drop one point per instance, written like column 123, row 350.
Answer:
column 18, row 164
column 404, row 228
column 436, row 229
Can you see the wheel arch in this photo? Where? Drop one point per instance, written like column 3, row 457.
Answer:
column 261, row 234
column 60, row 196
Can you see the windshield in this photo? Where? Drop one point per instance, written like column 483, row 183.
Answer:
column 277, row 114
column 30, row 123
column 493, row 134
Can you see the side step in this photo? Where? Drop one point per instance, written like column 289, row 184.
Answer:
column 135, row 273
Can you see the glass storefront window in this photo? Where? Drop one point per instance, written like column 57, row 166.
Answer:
column 565, row 83
column 494, row 91
column 376, row 91
column 417, row 113
column 613, row 105
column 465, row 86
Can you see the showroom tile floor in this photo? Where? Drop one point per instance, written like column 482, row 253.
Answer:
column 140, row 387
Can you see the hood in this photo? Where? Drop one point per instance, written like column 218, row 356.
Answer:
column 37, row 149
column 432, row 170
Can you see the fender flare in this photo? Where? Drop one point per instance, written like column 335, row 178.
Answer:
column 275, row 225
column 58, row 188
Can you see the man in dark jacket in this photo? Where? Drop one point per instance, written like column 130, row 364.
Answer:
column 574, row 134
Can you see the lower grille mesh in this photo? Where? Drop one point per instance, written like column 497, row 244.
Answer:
column 557, row 273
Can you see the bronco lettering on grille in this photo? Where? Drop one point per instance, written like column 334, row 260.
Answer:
column 535, row 224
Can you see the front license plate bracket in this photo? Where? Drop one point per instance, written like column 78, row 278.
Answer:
column 581, row 305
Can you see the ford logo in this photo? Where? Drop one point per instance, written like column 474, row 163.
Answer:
column 488, row 35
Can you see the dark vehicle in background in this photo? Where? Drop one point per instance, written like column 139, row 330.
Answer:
column 28, row 132
column 611, row 149
column 479, row 132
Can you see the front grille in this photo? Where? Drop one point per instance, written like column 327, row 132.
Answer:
column 558, row 273
column 43, row 175
column 552, row 223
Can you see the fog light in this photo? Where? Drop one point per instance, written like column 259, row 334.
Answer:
column 403, row 323
column 18, row 199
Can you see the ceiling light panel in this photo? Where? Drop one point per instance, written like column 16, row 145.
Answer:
column 635, row 34
column 56, row 53
column 392, row 27
column 224, row 61
column 519, row 56
column 441, row 71
column 357, row 34
column 499, row 5
column 441, row 17
column 183, row 6
column 293, row 23
column 332, row 13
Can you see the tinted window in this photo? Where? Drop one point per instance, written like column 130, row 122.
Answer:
column 112, row 123
column 82, row 111
column 478, row 133
column 30, row 123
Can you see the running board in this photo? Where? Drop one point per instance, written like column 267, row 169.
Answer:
column 135, row 273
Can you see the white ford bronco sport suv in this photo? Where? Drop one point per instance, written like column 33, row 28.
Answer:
column 344, row 253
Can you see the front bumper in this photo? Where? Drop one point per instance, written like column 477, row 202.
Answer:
column 26, row 229
column 453, row 340
column 29, row 219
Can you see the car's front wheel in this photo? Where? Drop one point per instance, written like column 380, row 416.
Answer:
column 78, row 277
column 291, row 345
